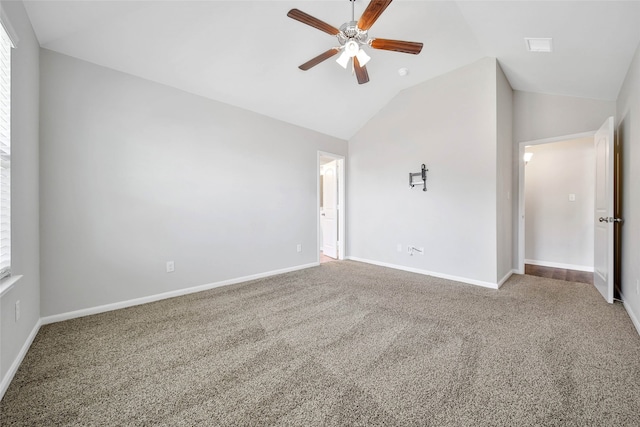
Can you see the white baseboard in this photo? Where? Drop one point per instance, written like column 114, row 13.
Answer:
column 587, row 268
column 632, row 315
column 152, row 298
column 430, row 273
column 506, row 277
column 4, row 385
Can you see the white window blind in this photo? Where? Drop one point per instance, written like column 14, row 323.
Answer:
column 5, row 153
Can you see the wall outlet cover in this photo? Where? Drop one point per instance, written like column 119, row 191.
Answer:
column 412, row 250
column 170, row 267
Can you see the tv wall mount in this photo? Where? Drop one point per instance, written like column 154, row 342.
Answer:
column 419, row 178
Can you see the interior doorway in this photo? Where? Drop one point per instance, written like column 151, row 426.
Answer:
column 559, row 205
column 331, row 207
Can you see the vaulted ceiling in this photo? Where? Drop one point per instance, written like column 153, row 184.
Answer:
column 246, row 53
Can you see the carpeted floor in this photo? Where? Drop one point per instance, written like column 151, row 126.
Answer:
column 341, row 344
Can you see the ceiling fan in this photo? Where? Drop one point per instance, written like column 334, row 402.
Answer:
column 353, row 36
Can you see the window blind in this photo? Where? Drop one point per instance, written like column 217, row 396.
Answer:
column 5, row 153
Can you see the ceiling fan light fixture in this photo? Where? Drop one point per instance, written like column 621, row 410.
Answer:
column 363, row 58
column 343, row 59
column 351, row 48
column 352, row 37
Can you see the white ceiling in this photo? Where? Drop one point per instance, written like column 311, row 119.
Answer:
column 246, row 53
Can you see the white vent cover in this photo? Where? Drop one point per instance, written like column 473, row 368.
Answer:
column 538, row 44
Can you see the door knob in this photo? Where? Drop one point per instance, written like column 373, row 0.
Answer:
column 609, row 219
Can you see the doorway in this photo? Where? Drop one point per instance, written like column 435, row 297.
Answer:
column 331, row 207
column 556, row 221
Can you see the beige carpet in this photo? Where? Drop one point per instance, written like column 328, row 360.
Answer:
column 341, row 344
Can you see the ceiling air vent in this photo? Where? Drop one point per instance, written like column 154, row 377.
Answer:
column 538, row 44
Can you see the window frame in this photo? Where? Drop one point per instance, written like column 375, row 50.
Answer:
column 8, row 42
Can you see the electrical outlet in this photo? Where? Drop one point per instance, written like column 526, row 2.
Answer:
column 412, row 250
column 637, row 286
column 17, row 310
column 170, row 267
column 399, row 247
column 572, row 197
column 299, row 247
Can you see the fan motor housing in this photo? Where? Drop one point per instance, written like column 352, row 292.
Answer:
column 350, row 31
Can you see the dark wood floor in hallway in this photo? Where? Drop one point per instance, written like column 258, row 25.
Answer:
column 559, row 273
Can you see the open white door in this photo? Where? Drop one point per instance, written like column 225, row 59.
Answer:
column 604, row 220
column 329, row 215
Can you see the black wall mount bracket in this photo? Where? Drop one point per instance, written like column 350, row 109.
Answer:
column 414, row 178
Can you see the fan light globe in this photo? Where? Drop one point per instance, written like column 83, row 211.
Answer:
column 363, row 58
column 343, row 60
column 351, row 48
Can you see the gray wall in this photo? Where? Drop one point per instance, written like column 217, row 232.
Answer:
column 455, row 220
column 557, row 230
column 628, row 119
column 138, row 174
column 24, row 187
column 504, row 184
column 539, row 116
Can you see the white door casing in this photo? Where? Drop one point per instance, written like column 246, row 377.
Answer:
column 603, row 212
column 329, row 216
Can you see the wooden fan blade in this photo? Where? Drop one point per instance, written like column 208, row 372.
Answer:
column 318, row 59
column 361, row 72
column 372, row 13
column 397, row 45
column 305, row 18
